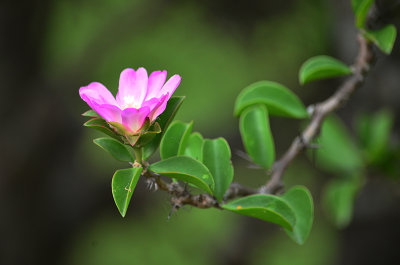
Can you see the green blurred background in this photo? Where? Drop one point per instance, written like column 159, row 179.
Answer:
column 55, row 196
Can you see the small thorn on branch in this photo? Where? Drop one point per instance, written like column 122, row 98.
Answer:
column 172, row 211
column 152, row 184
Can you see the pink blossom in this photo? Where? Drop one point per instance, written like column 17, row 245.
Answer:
column 139, row 97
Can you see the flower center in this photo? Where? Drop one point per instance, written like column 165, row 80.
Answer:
column 129, row 102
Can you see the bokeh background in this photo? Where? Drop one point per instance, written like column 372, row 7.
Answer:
column 56, row 205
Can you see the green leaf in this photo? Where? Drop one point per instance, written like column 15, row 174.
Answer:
column 163, row 120
column 374, row 132
column 337, row 152
column 256, row 135
column 123, row 184
column 384, row 38
column 118, row 127
column 300, row 200
column 186, row 169
column 115, row 148
column 217, row 158
column 148, row 135
column 266, row 207
column 175, row 139
column 194, row 146
column 322, row 67
column 360, row 9
column 338, row 200
column 279, row 100
column 91, row 113
column 102, row 126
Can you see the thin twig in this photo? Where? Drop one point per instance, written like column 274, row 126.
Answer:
column 181, row 196
column 320, row 111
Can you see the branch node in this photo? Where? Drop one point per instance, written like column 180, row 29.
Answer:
column 152, row 184
column 311, row 110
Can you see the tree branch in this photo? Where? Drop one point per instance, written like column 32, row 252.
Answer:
column 319, row 112
column 181, row 196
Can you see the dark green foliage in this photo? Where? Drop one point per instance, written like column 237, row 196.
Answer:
column 123, row 184
column 115, row 148
column 383, row 38
column 256, row 135
column 278, row 99
column 322, row 67
column 337, row 150
column 339, row 198
column 361, row 9
column 217, row 158
column 102, row 126
column 300, row 199
column 266, row 207
column 186, row 169
column 174, row 103
column 194, row 146
column 175, row 139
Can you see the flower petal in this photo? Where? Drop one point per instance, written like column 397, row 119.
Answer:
column 108, row 112
column 170, row 86
column 151, row 103
column 133, row 119
column 97, row 92
column 132, row 87
column 156, row 82
column 126, row 81
column 141, row 84
column 159, row 108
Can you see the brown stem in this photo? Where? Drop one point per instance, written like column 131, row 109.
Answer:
column 181, row 196
column 320, row 111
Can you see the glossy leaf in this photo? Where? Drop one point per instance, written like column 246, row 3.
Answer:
column 115, row 148
column 338, row 199
column 300, row 200
column 322, row 67
column 256, row 135
column 123, row 184
column 194, row 146
column 175, row 139
column 132, row 139
column 279, row 100
column 91, row 113
column 148, row 135
column 102, row 126
column 217, row 158
column 266, row 207
column 118, row 127
column 337, row 152
column 186, row 169
column 174, row 103
column 360, row 9
column 374, row 132
column 384, row 38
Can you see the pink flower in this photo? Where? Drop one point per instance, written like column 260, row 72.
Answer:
column 139, row 97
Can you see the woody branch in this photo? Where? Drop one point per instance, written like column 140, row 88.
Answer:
column 181, row 196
